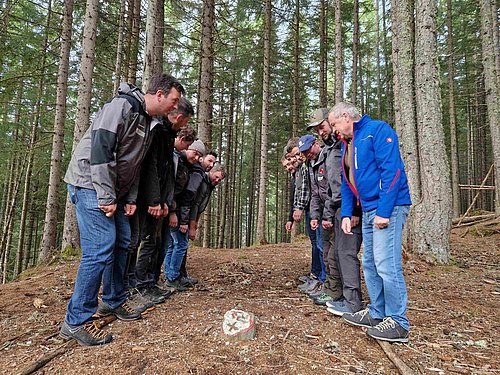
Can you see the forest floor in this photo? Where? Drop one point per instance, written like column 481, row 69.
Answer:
column 453, row 309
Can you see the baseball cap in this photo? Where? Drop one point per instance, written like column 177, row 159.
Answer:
column 317, row 117
column 305, row 142
column 198, row 146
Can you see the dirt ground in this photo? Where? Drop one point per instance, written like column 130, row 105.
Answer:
column 453, row 309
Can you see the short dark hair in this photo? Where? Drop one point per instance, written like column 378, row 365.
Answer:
column 212, row 152
column 292, row 142
column 219, row 168
column 184, row 107
column 188, row 133
column 164, row 82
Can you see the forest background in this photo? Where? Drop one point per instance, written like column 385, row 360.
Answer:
column 255, row 70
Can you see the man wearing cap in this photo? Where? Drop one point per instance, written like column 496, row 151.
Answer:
column 343, row 285
column 374, row 175
column 188, row 179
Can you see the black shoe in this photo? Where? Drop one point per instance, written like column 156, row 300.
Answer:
column 388, row 330
column 189, row 281
column 88, row 334
column 152, row 295
column 160, row 291
column 177, row 284
column 122, row 312
column 361, row 318
column 138, row 302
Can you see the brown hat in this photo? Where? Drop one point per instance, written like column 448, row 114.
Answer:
column 317, row 117
column 198, row 146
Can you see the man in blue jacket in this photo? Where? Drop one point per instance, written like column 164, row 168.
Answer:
column 373, row 173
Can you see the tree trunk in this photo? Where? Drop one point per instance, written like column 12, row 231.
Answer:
column 206, row 85
column 339, row 77
column 296, row 70
column 119, row 48
column 52, row 205
column 159, row 37
column 261, row 222
column 323, row 54
column 489, row 52
column 453, row 121
column 355, row 53
column 149, row 49
column 377, row 59
column 71, row 237
column 135, row 14
column 433, row 212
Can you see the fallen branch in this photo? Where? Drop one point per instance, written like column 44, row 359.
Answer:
column 469, row 219
column 38, row 364
column 403, row 368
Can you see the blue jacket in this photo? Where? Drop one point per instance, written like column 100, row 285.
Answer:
column 379, row 175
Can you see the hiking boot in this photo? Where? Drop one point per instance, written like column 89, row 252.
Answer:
column 309, row 286
column 334, row 302
column 165, row 292
column 305, row 278
column 139, row 303
column 316, row 290
column 152, row 295
column 388, row 330
column 322, row 299
column 361, row 318
column 338, row 308
column 123, row 312
column 88, row 334
column 189, row 281
column 177, row 284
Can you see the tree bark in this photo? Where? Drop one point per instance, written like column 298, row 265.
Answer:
column 261, row 221
column 453, row 120
column 119, row 48
column 339, row 77
column 355, row 53
column 323, row 54
column 296, row 70
column 71, row 237
column 433, row 212
column 135, row 14
column 52, row 206
column 489, row 60
column 206, row 85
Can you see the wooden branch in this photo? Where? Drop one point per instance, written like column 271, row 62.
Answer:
column 476, row 187
column 403, row 368
column 477, row 195
column 39, row 363
column 463, row 220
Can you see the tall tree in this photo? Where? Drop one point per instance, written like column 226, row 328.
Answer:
column 339, row 78
column 355, row 53
column 150, row 67
column 261, row 216
column 119, row 47
column 323, row 54
column 451, row 107
column 489, row 49
column 296, row 70
column 82, row 121
column 433, row 212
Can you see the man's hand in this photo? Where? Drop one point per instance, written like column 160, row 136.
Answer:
column 354, row 221
column 130, row 209
column 288, row 226
column 172, row 220
column 346, row 225
column 155, row 211
column 108, row 209
column 326, row 224
column 164, row 212
column 183, row 228
column 380, row 222
column 192, row 233
column 314, row 224
column 297, row 214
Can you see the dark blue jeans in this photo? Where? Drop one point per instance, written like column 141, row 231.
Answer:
column 316, row 236
column 104, row 243
column 176, row 252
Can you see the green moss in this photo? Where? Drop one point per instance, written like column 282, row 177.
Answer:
column 70, row 251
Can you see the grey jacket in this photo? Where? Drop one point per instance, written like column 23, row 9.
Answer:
column 109, row 156
column 334, row 173
column 320, row 190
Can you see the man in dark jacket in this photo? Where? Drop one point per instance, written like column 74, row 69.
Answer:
column 343, row 285
column 102, row 180
column 157, row 180
column 188, row 179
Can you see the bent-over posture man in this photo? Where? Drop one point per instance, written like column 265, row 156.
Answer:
column 102, row 180
column 374, row 174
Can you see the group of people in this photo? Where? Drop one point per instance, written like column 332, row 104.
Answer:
column 352, row 189
column 139, row 179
